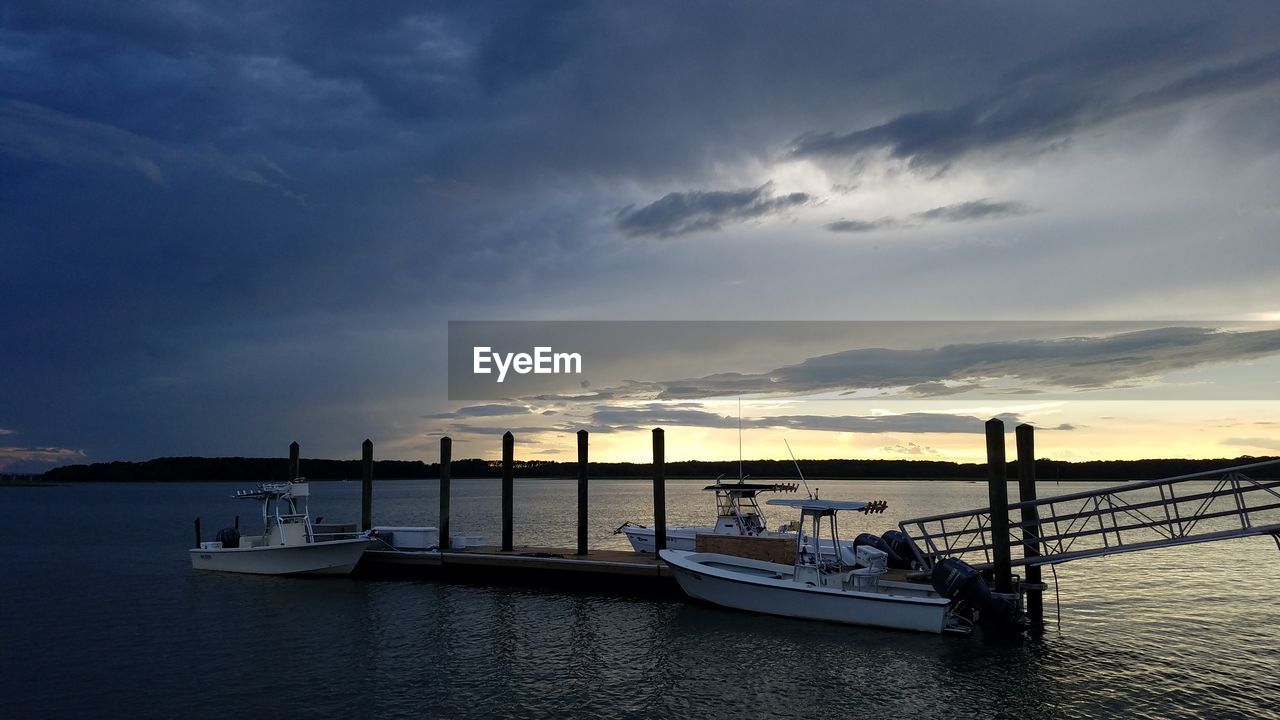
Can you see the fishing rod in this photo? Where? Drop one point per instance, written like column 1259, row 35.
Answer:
column 740, row 478
column 798, row 470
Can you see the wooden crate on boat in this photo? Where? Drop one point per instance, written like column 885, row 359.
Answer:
column 778, row 550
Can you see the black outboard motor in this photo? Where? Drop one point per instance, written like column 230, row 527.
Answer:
column 900, row 544
column 229, row 537
column 894, row 559
column 962, row 582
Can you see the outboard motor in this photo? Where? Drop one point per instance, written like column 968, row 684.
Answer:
column 900, row 544
column 962, row 582
column 895, row 560
column 229, row 537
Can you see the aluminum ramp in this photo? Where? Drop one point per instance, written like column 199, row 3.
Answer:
column 1200, row 507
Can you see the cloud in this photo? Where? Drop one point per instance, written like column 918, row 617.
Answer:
column 521, row 433
column 608, row 418
column 14, row 458
column 983, row 209
column 911, row 449
column 1072, row 363
column 139, row 142
column 1042, row 103
column 1260, row 443
column 862, row 226
column 33, row 132
column 680, row 213
column 935, row 388
column 490, row 410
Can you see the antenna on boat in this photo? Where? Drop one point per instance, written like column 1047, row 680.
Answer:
column 740, row 478
column 797, row 464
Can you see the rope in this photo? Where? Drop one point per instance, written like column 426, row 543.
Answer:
column 395, row 549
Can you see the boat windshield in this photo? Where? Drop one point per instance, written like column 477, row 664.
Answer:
column 738, row 501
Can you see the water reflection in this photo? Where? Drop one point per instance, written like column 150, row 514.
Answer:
column 110, row 617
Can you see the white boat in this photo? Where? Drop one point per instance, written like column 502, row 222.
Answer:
column 815, row 587
column 288, row 545
column 737, row 513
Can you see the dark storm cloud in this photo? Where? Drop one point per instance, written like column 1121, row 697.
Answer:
column 1073, row 363
column 40, row 134
column 983, row 209
column 679, row 213
column 265, row 211
column 1051, row 99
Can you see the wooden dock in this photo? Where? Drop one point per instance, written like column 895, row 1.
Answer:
column 610, row 570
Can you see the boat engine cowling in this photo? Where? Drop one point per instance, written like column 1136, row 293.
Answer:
column 877, row 543
column 229, row 537
column 900, row 544
column 962, row 582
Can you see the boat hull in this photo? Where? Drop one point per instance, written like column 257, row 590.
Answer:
column 337, row 557
column 678, row 538
column 780, row 595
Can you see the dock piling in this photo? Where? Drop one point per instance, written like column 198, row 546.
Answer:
column 582, row 492
column 998, row 494
column 197, row 545
column 366, row 485
column 294, row 474
column 659, row 492
column 1030, row 521
column 446, row 460
column 508, row 479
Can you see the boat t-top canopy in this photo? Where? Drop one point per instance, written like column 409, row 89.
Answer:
column 268, row 491
column 742, row 488
column 810, row 505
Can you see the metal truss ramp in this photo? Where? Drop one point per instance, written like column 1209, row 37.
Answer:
column 1234, row 502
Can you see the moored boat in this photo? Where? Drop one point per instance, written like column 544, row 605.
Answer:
column 816, row 586
column 289, row 543
column 737, row 513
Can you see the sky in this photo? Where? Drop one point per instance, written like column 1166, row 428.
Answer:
column 227, row 226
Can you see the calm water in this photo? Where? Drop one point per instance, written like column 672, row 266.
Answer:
column 101, row 615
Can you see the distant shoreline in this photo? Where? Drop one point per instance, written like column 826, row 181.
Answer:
column 255, row 470
column 645, row 478
column 35, row 481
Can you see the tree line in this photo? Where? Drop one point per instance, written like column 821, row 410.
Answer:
column 255, row 470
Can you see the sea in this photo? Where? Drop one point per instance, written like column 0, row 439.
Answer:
column 101, row 616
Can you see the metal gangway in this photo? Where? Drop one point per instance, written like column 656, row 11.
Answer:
column 1200, row 507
